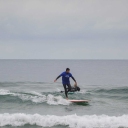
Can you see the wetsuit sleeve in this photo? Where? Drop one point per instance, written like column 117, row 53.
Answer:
column 73, row 78
column 59, row 76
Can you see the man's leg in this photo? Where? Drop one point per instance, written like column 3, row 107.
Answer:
column 69, row 88
column 65, row 90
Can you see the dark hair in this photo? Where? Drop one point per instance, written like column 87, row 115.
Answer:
column 67, row 69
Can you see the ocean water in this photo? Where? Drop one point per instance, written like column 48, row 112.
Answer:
column 30, row 99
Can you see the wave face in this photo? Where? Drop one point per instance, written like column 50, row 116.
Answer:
column 35, row 97
column 72, row 121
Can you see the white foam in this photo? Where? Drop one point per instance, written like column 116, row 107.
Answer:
column 5, row 92
column 73, row 121
column 58, row 90
column 36, row 93
column 57, row 100
column 35, row 99
column 82, row 92
column 38, row 97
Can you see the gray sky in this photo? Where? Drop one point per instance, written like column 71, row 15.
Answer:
column 63, row 29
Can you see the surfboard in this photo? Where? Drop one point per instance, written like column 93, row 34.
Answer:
column 79, row 101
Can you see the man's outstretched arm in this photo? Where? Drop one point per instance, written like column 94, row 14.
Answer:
column 57, row 78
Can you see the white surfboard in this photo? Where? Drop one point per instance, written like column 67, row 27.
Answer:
column 79, row 101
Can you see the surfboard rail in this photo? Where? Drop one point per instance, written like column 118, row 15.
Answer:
column 78, row 101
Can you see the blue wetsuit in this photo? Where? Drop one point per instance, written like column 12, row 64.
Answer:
column 66, row 81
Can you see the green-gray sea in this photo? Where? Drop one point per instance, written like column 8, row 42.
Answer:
column 30, row 99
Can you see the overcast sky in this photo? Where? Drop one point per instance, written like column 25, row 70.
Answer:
column 63, row 29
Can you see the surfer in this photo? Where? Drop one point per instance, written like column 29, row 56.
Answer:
column 65, row 80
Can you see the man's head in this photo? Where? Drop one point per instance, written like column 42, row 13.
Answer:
column 67, row 70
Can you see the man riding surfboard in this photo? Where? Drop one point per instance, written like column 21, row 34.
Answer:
column 65, row 80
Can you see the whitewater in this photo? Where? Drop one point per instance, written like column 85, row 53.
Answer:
column 73, row 121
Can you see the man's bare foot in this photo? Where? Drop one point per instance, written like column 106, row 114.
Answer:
column 66, row 98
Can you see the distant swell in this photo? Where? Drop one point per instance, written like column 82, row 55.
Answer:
column 72, row 121
column 113, row 90
column 36, row 97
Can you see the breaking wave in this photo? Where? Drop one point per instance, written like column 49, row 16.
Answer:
column 72, row 121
